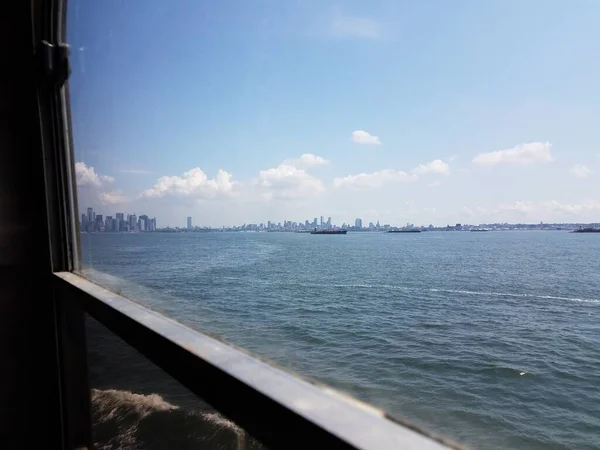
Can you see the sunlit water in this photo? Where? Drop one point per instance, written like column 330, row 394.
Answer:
column 492, row 339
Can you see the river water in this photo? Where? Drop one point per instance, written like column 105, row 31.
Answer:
column 491, row 339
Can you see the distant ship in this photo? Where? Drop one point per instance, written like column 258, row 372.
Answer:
column 479, row 229
column 586, row 230
column 328, row 231
column 406, row 230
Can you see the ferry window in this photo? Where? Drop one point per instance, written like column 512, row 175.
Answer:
column 137, row 405
column 394, row 199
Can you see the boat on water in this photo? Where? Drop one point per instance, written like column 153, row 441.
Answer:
column 479, row 229
column 329, row 232
column 586, row 230
column 407, row 230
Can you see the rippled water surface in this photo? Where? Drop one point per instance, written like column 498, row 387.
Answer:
column 492, row 339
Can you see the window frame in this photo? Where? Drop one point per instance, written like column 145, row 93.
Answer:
column 277, row 408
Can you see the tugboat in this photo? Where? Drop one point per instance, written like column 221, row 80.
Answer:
column 315, row 231
column 409, row 228
column 586, row 230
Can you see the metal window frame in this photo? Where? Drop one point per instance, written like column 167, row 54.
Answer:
column 277, row 408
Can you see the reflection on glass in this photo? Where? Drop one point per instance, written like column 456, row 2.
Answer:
column 135, row 405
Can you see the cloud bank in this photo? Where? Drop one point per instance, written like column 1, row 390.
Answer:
column 523, row 154
column 362, row 137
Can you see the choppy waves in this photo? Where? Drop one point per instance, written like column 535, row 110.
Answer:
column 465, row 292
column 490, row 340
column 441, row 290
column 124, row 420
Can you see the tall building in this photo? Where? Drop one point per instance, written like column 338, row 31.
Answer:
column 133, row 222
column 144, row 223
column 321, row 221
column 329, row 222
column 90, row 214
column 189, row 223
column 120, row 221
column 109, row 224
column 358, row 223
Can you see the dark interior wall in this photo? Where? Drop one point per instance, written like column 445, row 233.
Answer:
column 29, row 395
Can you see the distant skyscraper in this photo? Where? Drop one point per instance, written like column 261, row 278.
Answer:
column 133, row 222
column 189, row 223
column 120, row 219
column 358, row 223
column 90, row 214
column 321, row 221
column 329, row 222
column 144, row 223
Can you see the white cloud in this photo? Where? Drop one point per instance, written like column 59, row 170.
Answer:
column 355, row 27
column 362, row 137
column 436, row 183
column 580, row 171
column 436, row 166
column 307, row 160
column 585, row 206
column 518, row 206
column 287, row 182
column 529, row 153
column 87, row 176
column 113, row 198
column 374, row 180
column 194, row 183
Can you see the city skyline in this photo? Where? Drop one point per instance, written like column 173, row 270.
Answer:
column 92, row 221
column 487, row 113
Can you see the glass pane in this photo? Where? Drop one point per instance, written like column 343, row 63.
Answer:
column 212, row 137
column 136, row 405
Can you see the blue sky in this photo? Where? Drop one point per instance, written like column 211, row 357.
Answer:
column 428, row 112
